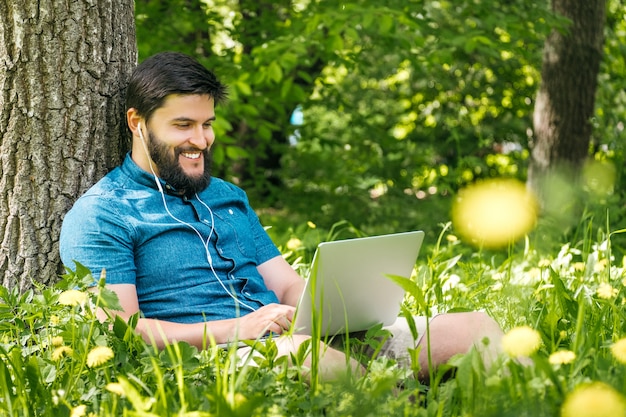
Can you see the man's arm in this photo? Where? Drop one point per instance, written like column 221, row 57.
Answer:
column 274, row 317
column 281, row 278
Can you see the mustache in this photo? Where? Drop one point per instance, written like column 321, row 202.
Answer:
column 191, row 149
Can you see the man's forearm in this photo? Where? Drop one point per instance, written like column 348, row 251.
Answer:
column 200, row 335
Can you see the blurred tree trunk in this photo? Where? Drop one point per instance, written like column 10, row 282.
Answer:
column 63, row 67
column 566, row 98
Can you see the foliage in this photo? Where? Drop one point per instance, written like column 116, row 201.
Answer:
column 574, row 301
column 449, row 70
column 404, row 102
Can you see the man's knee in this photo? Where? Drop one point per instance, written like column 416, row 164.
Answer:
column 454, row 333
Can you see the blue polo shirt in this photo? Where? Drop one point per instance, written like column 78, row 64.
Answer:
column 190, row 259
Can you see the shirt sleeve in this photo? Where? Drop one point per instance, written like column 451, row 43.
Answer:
column 94, row 235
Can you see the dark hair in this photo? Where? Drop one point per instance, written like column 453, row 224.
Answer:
column 170, row 73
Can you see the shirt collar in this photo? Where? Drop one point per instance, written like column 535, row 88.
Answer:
column 146, row 179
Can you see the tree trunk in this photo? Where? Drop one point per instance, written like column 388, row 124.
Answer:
column 566, row 98
column 63, row 68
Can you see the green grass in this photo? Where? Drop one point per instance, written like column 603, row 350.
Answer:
column 574, row 298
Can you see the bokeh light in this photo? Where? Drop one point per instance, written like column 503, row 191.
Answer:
column 495, row 212
column 594, row 399
column 599, row 177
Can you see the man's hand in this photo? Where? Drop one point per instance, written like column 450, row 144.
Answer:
column 275, row 318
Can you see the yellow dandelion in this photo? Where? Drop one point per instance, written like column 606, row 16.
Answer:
column 618, row 349
column 451, row 238
column 606, row 291
column 116, row 388
column 73, row 298
column 521, row 341
column 562, row 357
column 57, row 340
column 79, row 411
column 495, row 212
column 595, row 399
column 99, row 355
column 311, row 224
column 294, row 244
column 579, row 266
column 60, row 352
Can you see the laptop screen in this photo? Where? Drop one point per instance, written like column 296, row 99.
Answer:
column 348, row 290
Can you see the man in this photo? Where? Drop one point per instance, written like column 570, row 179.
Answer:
column 186, row 250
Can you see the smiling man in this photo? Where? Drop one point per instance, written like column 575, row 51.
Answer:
column 187, row 252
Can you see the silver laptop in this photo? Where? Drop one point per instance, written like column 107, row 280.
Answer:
column 347, row 289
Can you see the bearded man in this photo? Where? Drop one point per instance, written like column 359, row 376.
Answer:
column 185, row 250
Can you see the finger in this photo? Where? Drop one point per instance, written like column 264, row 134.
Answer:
column 275, row 328
column 283, row 322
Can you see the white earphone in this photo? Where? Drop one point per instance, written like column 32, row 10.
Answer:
column 140, row 132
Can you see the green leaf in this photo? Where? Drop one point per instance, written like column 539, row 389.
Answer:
column 335, row 43
column 221, row 126
column 236, row 152
column 218, row 155
column 288, row 60
column 275, row 72
column 385, row 24
column 109, row 299
column 285, row 88
column 179, row 354
column 120, row 327
column 410, row 287
column 367, row 20
column 264, row 132
column 81, row 270
column 565, row 299
column 306, row 77
column 243, row 88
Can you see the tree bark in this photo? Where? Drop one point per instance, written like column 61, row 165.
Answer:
column 63, row 69
column 565, row 101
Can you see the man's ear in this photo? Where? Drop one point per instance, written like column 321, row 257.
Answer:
column 133, row 119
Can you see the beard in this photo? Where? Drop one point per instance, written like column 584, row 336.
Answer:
column 171, row 171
